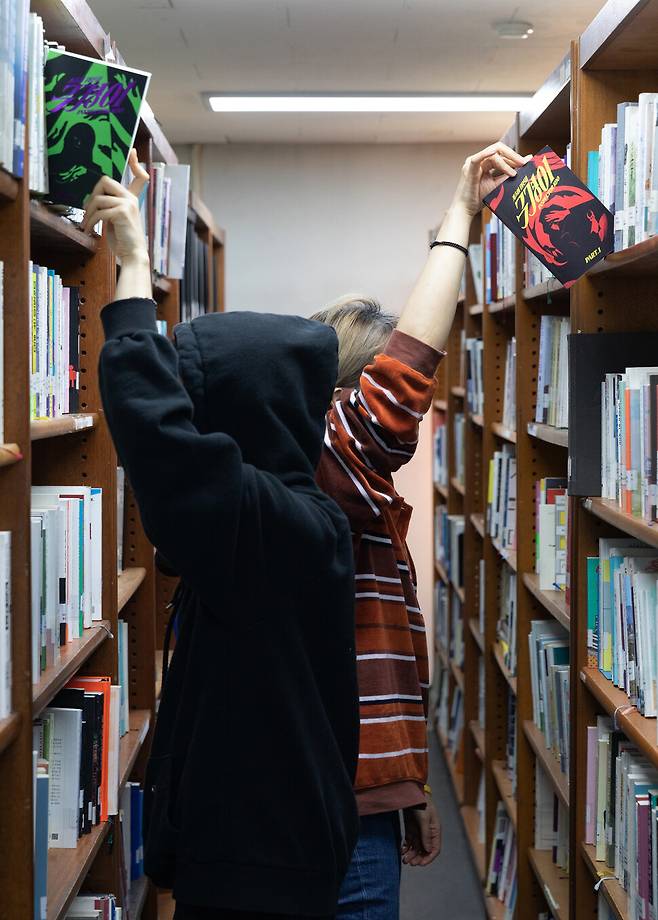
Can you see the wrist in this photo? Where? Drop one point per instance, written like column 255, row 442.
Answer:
column 138, row 258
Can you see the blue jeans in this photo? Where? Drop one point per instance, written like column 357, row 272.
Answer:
column 371, row 889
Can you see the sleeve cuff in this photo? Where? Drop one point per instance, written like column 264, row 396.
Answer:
column 413, row 353
column 123, row 317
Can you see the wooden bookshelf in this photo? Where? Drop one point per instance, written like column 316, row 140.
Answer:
column 505, row 791
column 476, row 632
column 471, row 821
column 614, row 60
column 70, row 450
column 503, row 432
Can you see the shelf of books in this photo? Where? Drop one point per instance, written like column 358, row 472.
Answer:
column 565, row 474
column 80, row 623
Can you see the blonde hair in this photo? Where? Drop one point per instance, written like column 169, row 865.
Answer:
column 363, row 329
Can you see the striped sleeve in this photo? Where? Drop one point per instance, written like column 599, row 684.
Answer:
column 373, row 430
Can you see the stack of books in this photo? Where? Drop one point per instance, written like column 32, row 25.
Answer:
column 622, row 814
column 629, row 440
column 441, row 614
column 440, row 450
column 509, row 394
column 66, row 568
column 164, row 215
column 55, row 351
column 549, row 673
column 551, row 523
column 194, row 283
column 500, row 261
column 623, row 172
column 551, row 820
column 553, row 375
column 459, row 432
column 501, row 498
column 506, row 627
column 474, row 384
column 501, row 878
column 621, row 618
column 94, row 907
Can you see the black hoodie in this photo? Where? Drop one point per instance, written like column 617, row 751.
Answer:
column 249, row 802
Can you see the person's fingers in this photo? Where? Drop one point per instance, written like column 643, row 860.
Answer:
column 500, row 149
column 104, row 214
column 141, row 177
column 98, row 203
column 500, row 165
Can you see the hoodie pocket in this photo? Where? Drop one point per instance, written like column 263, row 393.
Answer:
column 160, row 835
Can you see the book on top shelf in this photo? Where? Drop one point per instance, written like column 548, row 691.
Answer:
column 554, row 215
column 92, row 114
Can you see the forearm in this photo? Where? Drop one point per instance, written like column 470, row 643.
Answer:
column 430, row 310
column 135, row 278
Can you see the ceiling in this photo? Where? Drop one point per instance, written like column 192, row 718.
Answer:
column 195, row 46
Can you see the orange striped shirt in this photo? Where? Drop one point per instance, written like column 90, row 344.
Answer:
column 371, row 432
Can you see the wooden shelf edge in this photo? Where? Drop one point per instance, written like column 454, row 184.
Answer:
column 500, row 306
column 476, row 632
column 551, row 288
column 638, row 260
column 66, row 424
column 459, row 392
column 504, row 783
column 553, row 881
column 548, row 761
column 477, row 309
column 457, row 778
column 9, row 729
column 503, row 432
column 612, row 890
column 458, row 486
column 441, row 572
column 471, row 822
column 8, row 186
column 441, row 405
column 460, row 592
column 478, row 736
column 10, row 454
column 47, row 224
column 442, row 490
column 549, row 434
column 127, row 584
column 458, row 675
column 477, row 520
column 442, row 653
column 131, row 743
column 477, row 420
column 498, row 655
column 509, row 555
column 640, row 730
column 73, row 656
column 609, row 511
column 552, row 601
column 67, row 870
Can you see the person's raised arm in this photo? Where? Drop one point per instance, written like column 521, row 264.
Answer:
column 430, row 310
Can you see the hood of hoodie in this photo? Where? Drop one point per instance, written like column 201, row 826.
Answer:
column 263, row 379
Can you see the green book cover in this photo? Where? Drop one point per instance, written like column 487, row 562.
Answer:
column 92, row 115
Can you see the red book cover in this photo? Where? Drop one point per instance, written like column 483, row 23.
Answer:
column 555, row 216
column 99, row 685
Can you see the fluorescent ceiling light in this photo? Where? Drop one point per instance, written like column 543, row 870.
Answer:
column 372, row 103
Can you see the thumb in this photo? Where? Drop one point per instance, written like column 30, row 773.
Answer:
column 141, row 177
column 426, row 834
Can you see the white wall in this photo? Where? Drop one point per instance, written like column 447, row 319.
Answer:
column 305, row 224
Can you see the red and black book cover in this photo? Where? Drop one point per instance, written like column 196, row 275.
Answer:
column 555, row 215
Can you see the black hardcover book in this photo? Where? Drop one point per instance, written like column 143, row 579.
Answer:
column 555, row 216
column 97, row 757
column 591, row 357
column 74, row 349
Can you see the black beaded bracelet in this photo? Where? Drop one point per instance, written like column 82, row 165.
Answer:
column 448, row 243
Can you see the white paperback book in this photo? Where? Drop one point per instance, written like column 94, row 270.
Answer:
column 64, row 771
column 113, row 759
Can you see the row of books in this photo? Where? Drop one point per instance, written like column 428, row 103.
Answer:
column 534, row 271
column 459, row 432
column 473, row 351
column 194, row 283
column 501, row 877
column 449, row 543
column 629, row 440
column 456, row 647
column 164, row 206
column 501, row 497
column 94, row 907
column 442, row 613
column 509, row 392
column 55, row 345
column 66, row 529
column 551, row 523
column 553, row 373
column 475, row 261
column 499, row 261
column 440, row 449
column 506, row 626
column 15, row 37
column 622, row 603
column 551, row 820
column 621, row 816
column 623, row 172
column 512, row 735
column 549, row 675
column 2, row 354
